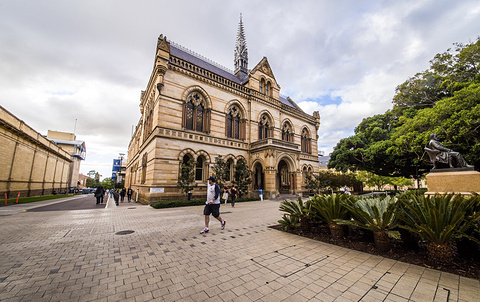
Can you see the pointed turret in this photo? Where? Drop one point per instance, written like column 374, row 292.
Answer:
column 241, row 53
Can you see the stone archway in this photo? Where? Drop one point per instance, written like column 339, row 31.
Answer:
column 258, row 178
column 284, row 184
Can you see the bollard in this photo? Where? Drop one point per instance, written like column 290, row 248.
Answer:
column 5, row 198
column 18, row 196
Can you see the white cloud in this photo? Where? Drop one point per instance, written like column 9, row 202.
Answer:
column 89, row 60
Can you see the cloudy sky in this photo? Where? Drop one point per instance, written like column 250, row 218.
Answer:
column 81, row 65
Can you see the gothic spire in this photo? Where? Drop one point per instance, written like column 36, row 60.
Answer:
column 241, row 53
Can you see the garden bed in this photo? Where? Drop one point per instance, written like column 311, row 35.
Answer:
column 466, row 263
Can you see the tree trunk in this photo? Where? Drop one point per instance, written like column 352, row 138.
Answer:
column 336, row 231
column 440, row 253
column 382, row 241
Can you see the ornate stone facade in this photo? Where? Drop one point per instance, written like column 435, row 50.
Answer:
column 193, row 108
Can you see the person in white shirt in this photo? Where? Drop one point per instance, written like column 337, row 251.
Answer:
column 212, row 206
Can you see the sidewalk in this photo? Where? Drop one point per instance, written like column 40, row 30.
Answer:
column 133, row 252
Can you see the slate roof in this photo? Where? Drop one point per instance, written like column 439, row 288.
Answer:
column 177, row 51
column 181, row 54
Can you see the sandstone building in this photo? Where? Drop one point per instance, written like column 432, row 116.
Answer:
column 194, row 108
column 76, row 148
column 31, row 164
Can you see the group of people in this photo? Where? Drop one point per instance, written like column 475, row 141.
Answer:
column 100, row 194
column 229, row 192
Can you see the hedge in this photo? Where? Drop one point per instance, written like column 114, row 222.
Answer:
column 194, row 202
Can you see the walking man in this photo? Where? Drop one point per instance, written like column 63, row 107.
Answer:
column 129, row 194
column 212, row 206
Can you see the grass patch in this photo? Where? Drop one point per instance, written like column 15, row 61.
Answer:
column 162, row 204
column 33, row 199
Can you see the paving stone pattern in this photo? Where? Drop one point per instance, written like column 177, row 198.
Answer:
column 77, row 256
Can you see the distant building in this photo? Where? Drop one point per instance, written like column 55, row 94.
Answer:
column 193, row 108
column 82, row 179
column 76, row 148
column 323, row 161
column 30, row 163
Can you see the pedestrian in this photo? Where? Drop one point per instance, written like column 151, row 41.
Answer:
column 129, row 194
column 233, row 195
column 212, row 205
column 225, row 194
column 99, row 194
column 111, row 193
column 122, row 194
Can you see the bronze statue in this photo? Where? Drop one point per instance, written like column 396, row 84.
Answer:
column 440, row 153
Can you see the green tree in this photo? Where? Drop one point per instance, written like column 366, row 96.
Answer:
column 186, row 176
column 442, row 99
column 92, row 173
column 92, row 183
column 242, row 176
column 108, row 183
column 456, row 120
column 220, row 171
column 371, row 180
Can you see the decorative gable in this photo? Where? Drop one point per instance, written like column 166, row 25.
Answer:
column 264, row 67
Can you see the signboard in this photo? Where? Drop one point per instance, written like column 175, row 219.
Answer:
column 157, row 190
column 114, row 175
column 116, row 165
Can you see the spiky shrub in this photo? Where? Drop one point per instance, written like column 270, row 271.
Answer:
column 330, row 208
column 297, row 209
column 377, row 215
column 440, row 220
column 288, row 222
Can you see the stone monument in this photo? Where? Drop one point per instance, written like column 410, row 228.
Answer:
column 459, row 177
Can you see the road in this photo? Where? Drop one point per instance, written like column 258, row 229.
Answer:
column 83, row 202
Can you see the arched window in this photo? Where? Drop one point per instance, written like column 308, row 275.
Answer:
column 287, row 133
column 186, row 158
column 199, row 168
column 262, row 86
column 264, row 127
column 268, row 89
column 304, row 175
column 144, row 168
column 195, row 113
column 199, row 118
column 189, row 113
column 306, row 141
column 235, row 125
column 229, row 125
column 229, row 171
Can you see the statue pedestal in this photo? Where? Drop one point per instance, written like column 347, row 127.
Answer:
column 460, row 181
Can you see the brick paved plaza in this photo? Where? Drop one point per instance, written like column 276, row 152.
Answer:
column 76, row 256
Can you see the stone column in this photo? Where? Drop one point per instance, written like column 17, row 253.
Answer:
column 270, row 182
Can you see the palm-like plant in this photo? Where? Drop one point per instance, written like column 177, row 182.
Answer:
column 288, row 222
column 377, row 215
column 330, row 208
column 440, row 220
column 298, row 210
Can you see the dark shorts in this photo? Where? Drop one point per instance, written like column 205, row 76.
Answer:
column 213, row 209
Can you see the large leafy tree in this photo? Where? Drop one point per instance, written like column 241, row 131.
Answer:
column 242, row 176
column 443, row 99
column 220, row 171
column 186, row 176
